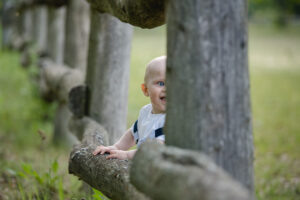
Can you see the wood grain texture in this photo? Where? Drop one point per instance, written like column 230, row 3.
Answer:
column 77, row 34
column 111, row 177
column 207, row 64
column 108, row 72
column 141, row 13
column 174, row 173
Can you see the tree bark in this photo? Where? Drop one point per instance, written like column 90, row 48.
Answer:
column 145, row 14
column 207, row 63
column 108, row 73
column 111, row 177
column 174, row 173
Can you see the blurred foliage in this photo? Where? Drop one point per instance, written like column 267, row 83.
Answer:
column 283, row 10
column 275, row 96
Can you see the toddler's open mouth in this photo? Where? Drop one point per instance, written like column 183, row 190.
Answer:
column 163, row 98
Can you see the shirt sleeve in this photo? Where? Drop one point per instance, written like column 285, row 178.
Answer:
column 134, row 131
column 159, row 134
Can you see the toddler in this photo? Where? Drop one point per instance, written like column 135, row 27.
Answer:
column 151, row 118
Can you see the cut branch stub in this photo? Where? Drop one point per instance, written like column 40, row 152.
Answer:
column 141, row 13
column 60, row 79
column 174, row 173
column 78, row 99
column 111, row 177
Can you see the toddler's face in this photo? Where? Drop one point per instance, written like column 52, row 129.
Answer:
column 155, row 87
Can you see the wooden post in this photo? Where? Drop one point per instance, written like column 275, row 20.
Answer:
column 77, row 34
column 108, row 72
column 40, row 28
column 56, row 33
column 75, row 56
column 207, row 64
column 9, row 23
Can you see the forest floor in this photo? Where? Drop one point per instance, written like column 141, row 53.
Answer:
column 31, row 167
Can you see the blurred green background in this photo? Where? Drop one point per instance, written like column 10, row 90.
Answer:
column 32, row 167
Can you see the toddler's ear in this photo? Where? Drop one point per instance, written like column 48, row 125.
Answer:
column 145, row 90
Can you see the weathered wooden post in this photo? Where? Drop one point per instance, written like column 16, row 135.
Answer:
column 77, row 34
column 40, row 27
column 56, row 33
column 207, row 63
column 75, row 56
column 108, row 73
column 8, row 21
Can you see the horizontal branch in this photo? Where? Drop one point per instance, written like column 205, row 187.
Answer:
column 142, row 13
column 177, row 174
column 59, row 79
column 111, row 177
column 22, row 4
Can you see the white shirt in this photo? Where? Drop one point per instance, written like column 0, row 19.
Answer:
column 148, row 126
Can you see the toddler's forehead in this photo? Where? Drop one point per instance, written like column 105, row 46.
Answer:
column 154, row 70
column 155, row 67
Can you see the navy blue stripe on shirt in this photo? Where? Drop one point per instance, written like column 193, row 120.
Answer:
column 158, row 132
column 135, row 127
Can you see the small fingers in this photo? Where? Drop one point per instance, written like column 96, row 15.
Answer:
column 99, row 149
column 112, row 154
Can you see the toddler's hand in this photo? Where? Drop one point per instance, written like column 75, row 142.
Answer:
column 103, row 149
column 119, row 154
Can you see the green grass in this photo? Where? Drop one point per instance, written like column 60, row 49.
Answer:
column 276, row 115
column 275, row 89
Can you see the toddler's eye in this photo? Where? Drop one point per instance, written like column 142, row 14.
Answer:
column 161, row 83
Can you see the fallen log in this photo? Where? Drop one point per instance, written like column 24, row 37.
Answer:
column 111, row 177
column 174, row 173
column 145, row 14
column 58, row 79
column 23, row 4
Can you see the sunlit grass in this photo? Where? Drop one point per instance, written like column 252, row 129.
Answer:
column 275, row 89
column 276, row 115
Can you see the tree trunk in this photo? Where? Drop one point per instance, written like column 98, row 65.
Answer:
column 207, row 63
column 56, row 33
column 108, row 73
